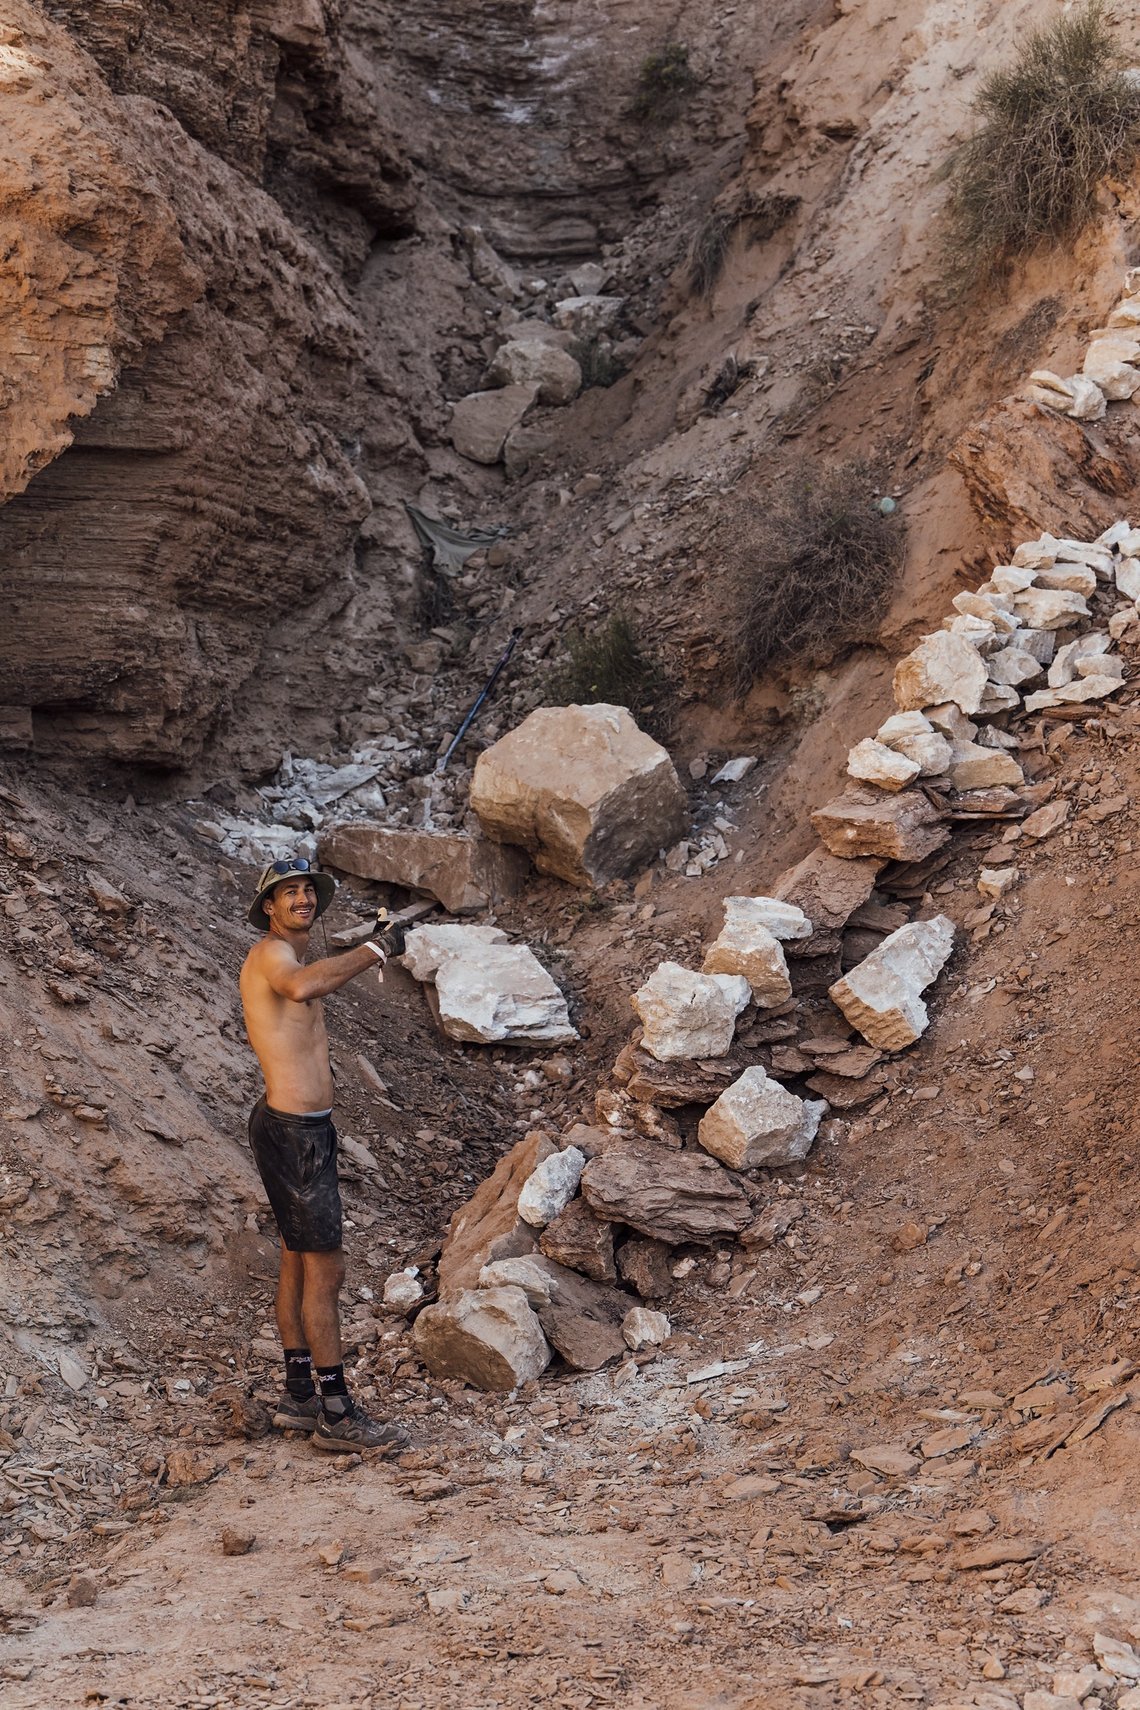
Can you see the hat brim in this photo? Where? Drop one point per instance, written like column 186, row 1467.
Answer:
column 323, row 883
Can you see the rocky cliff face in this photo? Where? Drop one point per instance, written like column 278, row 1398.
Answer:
column 236, row 306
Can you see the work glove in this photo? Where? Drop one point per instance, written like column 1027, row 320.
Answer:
column 389, row 932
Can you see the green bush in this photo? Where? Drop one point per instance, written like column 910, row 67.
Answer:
column 664, row 83
column 1052, row 125
column 610, row 664
column 820, row 560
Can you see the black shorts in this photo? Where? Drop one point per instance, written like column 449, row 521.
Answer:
column 296, row 1157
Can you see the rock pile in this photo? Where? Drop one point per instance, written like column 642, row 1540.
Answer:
column 534, row 364
column 1110, row 370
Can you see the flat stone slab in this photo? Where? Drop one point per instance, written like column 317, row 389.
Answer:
column 669, row 1196
column 466, row 874
column 902, row 827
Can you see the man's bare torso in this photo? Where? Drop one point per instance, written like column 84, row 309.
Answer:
column 288, row 1037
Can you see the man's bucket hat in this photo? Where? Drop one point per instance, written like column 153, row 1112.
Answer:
column 296, row 867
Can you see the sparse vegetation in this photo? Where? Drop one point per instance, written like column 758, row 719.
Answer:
column 821, row 559
column 763, row 216
column 664, row 83
column 1054, row 124
column 595, row 357
column 611, row 664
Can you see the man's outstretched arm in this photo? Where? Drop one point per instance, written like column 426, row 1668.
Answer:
column 292, row 979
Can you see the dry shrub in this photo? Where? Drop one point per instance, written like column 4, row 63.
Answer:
column 611, row 664
column 821, row 559
column 762, row 215
column 664, row 83
column 1053, row 124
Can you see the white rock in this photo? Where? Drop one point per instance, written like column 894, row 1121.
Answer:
column 1106, row 665
column 1122, row 622
column 1077, row 578
column 403, row 1290
column 980, row 632
column 734, row 770
column 1034, row 554
column 1108, row 362
column 995, row 609
column 486, row 1337
column 1097, row 557
column 996, row 881
column 1128, row 578
column 73, row 1374
column 747, row 947
column 588, row 315
column 1116, row 1656
column 952, row 722
column 1064, row 667
column 525, row 362
column 989, row 736
column 912, row 734
column 998, row 697
column 1048, row 608
column 943, row 667
column 1042, row 643
column 519, row 1273
column 1045, row 387
column 1010, row 579
column 684, row 1014
column 1088, row 400
column 874, row 763
column 583, row 789
column 1013, row 666
column 1087, row 689
column 1125, row 315
column 505, row 996
column 551, row 1186
column 482, row 422
column 782, row 919
column 973, row 767
column 1115, row 535
column 643, row 1328
column 757, row 1123
column 882, row 996
column 427, row 946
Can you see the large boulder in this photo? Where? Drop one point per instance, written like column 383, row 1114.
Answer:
column 489, row 992
column 534, row 362
column 943, row 667
column 488, row 1226
column 903, row 827
column 882, row 997
column 463, row 873
column 488, row 1337
column 587, row 793
column 757, row 1123
column 750, row 944
column 481, row 422
column 684, row 1014
column 669, row 1196
column 588, row 315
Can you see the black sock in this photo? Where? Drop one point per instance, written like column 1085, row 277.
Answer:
column 299, row 1373
column 334, row 1390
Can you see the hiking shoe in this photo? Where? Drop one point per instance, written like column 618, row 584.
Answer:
column 292, row 1414
column 349, row 1433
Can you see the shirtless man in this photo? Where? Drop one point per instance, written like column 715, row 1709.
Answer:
column 293, row 1141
